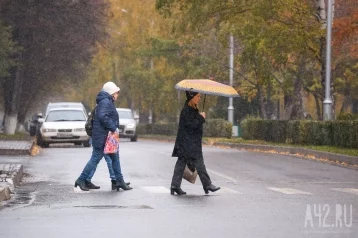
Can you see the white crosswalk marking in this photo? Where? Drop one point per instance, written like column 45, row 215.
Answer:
column 161, row 189
column 224, row 190
column 155, row 189
column 346, row 190
column 289, row 191
column 222, row 175
column 78, row 190
column 228, row 190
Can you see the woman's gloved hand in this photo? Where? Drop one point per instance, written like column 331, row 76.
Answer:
column 191, row 166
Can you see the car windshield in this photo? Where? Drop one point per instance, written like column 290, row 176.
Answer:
column 62, row 105
column 65, row 115
column 125, row 115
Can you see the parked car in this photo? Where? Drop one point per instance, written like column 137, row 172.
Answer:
column 127, row 124
column 64, row 125
column 35, row 124
column 51, row 105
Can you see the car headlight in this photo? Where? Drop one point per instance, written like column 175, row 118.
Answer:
column 79, row 129
column 48, row 130
column 130, row 126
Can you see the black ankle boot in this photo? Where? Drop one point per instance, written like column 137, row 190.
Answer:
column 177, row 190
column 90, row 185
column 81, row 184
column 211, row 188
column 114, row 187
column 121, row 185
column 114, row 184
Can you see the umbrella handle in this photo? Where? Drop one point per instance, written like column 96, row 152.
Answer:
column 204, row 101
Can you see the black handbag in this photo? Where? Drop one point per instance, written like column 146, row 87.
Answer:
column 89, row 122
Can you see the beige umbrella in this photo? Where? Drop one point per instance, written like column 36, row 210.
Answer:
column 206, row 86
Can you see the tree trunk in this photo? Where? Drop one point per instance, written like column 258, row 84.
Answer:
column 29, row 96
column 12, row 90
column 288, row 107
column 321, row 10
column 270, row 108
column 297, row 110
column 25, row 105
column 347, row 101
column 317, row 100
column 261, row 102
column 294, row 103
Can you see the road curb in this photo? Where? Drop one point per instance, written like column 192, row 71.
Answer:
column 4, row 193
column 336, row 158
column 10, row 177
column 18, row 148
column 11, row 174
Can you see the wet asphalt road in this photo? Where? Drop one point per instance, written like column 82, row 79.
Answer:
column 262, row 195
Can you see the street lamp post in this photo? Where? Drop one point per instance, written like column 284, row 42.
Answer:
column 327, row 103
column 231, row 107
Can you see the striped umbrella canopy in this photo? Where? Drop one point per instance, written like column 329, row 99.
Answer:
column 206, row 86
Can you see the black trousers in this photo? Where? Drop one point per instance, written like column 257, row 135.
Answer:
column 200, row 167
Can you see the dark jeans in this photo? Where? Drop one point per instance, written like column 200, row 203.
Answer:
column 200, row 167
column 96, row 157
column 109, row 160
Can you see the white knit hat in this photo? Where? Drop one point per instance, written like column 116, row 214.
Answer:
column 110, row 88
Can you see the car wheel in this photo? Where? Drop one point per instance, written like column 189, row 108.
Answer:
column 86, row 144
column 134, row 139
column 45, row 145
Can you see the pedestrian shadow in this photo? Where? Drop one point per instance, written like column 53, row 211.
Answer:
column 194, row 197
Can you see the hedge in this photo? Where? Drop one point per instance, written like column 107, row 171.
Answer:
column 268, row 130
column 335, row 133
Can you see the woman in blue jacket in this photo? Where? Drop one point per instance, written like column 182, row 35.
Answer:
column 106, row 119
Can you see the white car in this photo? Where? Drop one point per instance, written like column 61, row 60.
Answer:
column 64, row 125
column 127, row 124
column 52, row 105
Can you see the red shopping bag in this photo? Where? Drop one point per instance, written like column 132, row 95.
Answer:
column 112, row 143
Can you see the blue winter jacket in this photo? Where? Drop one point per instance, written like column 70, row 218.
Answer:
column 105, row 119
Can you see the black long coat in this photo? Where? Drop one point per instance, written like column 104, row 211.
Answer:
column 190, row 133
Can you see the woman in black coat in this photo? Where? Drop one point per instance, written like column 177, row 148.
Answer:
column 188, row 145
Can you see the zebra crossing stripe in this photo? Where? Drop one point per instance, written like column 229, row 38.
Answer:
column 346, row 190
column 222, row 175
column 155, row 189
column 289, row 191
column 225, row 190
column 228, row 190
column 78, row 190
